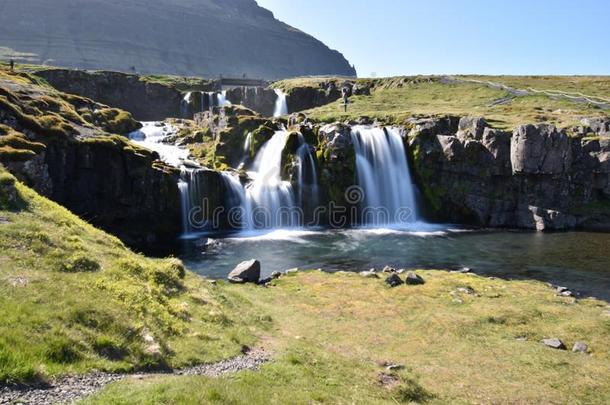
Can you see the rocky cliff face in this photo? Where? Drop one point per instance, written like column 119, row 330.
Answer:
column 147, row 101
column 535, row 178
column 185, row 37
column 56, row 144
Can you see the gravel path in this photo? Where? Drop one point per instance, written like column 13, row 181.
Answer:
column 70, row 389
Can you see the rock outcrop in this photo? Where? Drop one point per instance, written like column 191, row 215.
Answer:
column 147, row 101
column 538, row 177
column 204, row 38
column 49, row 141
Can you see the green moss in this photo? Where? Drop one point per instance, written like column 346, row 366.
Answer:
column 10, row 154
column 115, row 121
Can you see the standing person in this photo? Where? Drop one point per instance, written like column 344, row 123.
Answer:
column 345, row 92
column 12, row 65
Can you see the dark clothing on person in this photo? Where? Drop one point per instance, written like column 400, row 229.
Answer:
column 12, row 65
column 345, row 92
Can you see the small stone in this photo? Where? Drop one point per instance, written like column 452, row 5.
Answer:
column 561, row 290
column 265, row 281
column 414, row 279
column 462, row 270
column 388, row 269
column 393, row 281
column 276, row 274
column 580, row 347
column 369, row 274
column 395, row 367
column 292, row 271
column 401, row 271
column 554, row 343
column 566, row 293
column 213, row 282
column 466, row 290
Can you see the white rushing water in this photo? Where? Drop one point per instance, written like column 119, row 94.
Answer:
column 222, row 99
column 384, row 177
column 152, row 136
column 268, row 193
column 281, row 104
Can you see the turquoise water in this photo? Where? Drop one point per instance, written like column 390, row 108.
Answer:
column 577, row 260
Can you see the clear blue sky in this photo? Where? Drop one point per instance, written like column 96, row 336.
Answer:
column 394, row 37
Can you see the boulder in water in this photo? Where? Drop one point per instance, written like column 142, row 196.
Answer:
column 246, row 272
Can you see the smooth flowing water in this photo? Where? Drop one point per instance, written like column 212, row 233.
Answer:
column 383, row 176
column 281, row 104
column 577, row 260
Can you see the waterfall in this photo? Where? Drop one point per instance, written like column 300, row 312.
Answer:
column 185, row 105
column 272, row 197
column 384, row 177
column 307, row 175
column 222, row 99
column 281, row 105
column 240, row 208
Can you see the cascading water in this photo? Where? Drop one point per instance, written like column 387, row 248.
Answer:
column 152, row 136
column 307, row 176
column 222, row 99
column 185, row 105
column 384, row 177
column 281, row 104
column 240, row 208
column 272, row 197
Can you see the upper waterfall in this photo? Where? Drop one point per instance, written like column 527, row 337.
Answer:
column 281, row 104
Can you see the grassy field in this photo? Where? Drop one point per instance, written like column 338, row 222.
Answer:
column 394, row 104
column 333, row 334
column 73, row 298
column 593, row 86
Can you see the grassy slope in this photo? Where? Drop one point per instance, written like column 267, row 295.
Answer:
column 332, row 332
column 73, row 298
column 394, row 101
column 594, row 86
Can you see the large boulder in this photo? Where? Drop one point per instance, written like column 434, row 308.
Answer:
column 246, row 272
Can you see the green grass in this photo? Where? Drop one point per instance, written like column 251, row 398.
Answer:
column 594, row 86
column 73, row 298
column 332, row 333
column 394, row 100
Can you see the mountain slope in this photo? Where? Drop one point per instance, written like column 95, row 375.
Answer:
column 186, row 37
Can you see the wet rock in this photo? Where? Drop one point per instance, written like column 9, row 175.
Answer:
column 246, row 272
column 369, row 274
column 389, row 269
column 394, row 280
column 554, row 343
column 580, row 347
column 276, row 274
column 414, row 279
